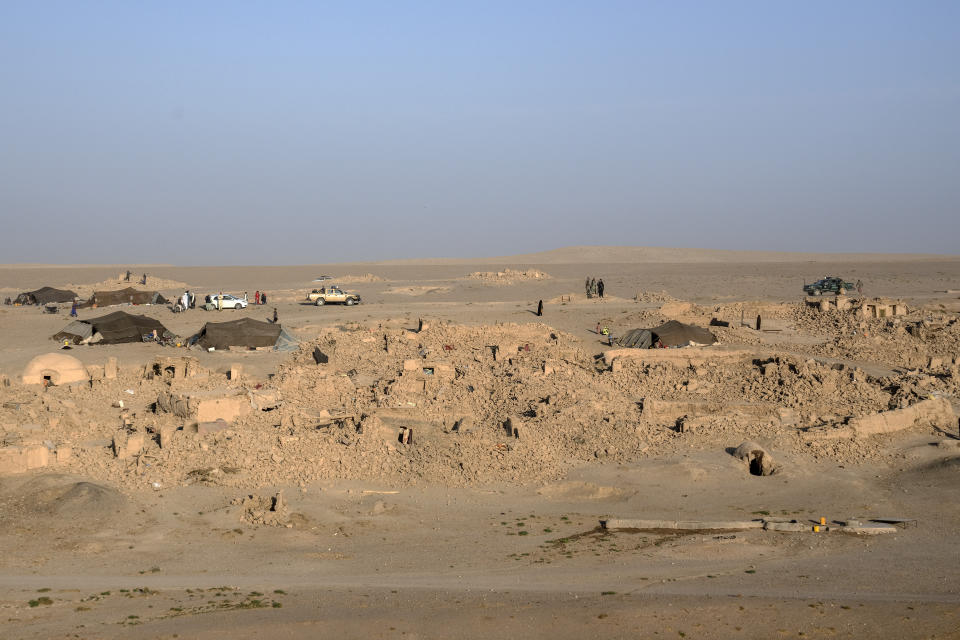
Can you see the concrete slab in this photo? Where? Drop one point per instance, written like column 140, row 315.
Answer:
column 688, row 525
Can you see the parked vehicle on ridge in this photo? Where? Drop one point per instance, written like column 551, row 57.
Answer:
column 828, row 284
column 332, row 295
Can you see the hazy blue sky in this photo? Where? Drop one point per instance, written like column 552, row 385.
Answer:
column 304, row 132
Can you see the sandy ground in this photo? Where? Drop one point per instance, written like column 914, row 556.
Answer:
column 413, row 559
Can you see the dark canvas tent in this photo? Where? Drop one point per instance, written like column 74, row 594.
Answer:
column 120, row 326
column 113, row 328
column 676, row 334
column 246, row 332
column 124, row 296
column 669, row 334
column 45, row 295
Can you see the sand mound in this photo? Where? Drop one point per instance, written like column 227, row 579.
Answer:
column 579, row 491
column 945, row 469
column 363, row 277
column 674, row 309
column 58, row 497
column 417, row 291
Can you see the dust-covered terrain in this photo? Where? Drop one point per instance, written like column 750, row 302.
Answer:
column 438, row 460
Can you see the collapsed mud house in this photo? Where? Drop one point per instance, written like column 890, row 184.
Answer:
column 867, row 308
column 447, row 403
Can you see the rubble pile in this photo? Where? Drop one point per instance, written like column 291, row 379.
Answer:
column 909, row 342
column 269, row 511
column 653, row 296
column 805, row 386
column 451, row 404
column 112, row 284
column 508, row 276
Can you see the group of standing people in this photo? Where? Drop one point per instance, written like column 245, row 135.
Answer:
column 594, row 287
column 143, row 279
column 260, row 297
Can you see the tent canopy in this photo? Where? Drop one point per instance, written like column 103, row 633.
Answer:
column 286, row 342
column 245, row 332
column 114, row 328
column 636, row 339
column 124, row 296
column 76, row 332
column 120, row 326
column 669, row 334
column 677, row 334
column 46, row 295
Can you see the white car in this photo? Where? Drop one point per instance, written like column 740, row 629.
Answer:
column 226, row 301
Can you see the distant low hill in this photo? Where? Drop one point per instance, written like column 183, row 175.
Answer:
column 629, row 255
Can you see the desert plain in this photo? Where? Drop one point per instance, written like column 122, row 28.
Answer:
column 436, row 461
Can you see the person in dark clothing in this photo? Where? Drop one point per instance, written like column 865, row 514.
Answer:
column 73, row 310
column 758, row 322
column 274, row 315
column 127, row 279
column 263, row 298
column 600, row 287
column 540, row 308
column 143, row 280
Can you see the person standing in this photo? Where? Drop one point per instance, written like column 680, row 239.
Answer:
column 859, row 287
column 143, row 280
column 758, row 322
column 256, row 297
column 593, row 286
column 73, row 309
column 540, row 308
column 586, row 287
column 245, row 296
column 274, row 315
column 220, row 301
column 263, row 298
column 600, row 287
column 127, row 279
column 185, row 300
